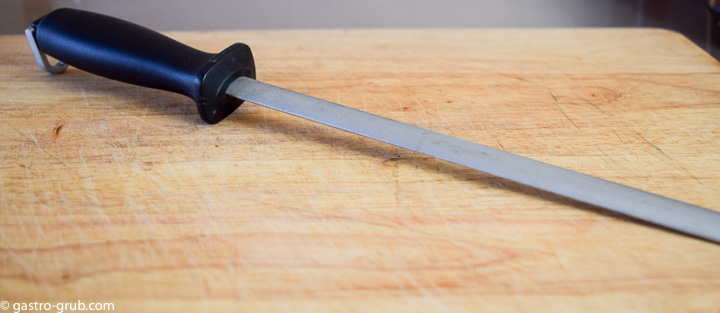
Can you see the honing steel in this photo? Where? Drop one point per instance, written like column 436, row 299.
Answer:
column 219, row 83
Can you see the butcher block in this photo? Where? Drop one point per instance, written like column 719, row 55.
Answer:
column 120, row 194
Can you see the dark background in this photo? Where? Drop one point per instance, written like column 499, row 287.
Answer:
column 693, row 18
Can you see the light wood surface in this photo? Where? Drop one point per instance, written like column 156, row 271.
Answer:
column 115, row 193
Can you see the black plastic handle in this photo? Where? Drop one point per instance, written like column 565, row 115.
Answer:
column 127, row 52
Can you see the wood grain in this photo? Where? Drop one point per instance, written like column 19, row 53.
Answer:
column 111, row 192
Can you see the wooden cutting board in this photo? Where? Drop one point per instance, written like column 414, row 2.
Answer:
column 115, row 193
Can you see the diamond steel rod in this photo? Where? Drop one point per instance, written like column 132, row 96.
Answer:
column 653, row 208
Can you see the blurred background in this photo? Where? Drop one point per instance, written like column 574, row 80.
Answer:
column 696, row 19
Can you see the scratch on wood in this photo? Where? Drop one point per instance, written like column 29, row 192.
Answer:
column 265, row 120
column 566, row 116
column 522, row 79
column 618, row 136
column 56, row 130
column 146, row 122
column 603, row 152
column 670, row 158
column 597, row 107
column 497, row 183
column 82, row 92
column 397, row 179
column 553, row 96
column 33, row 140
column 653, row 145
column 441, row 118
column 607, row 159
